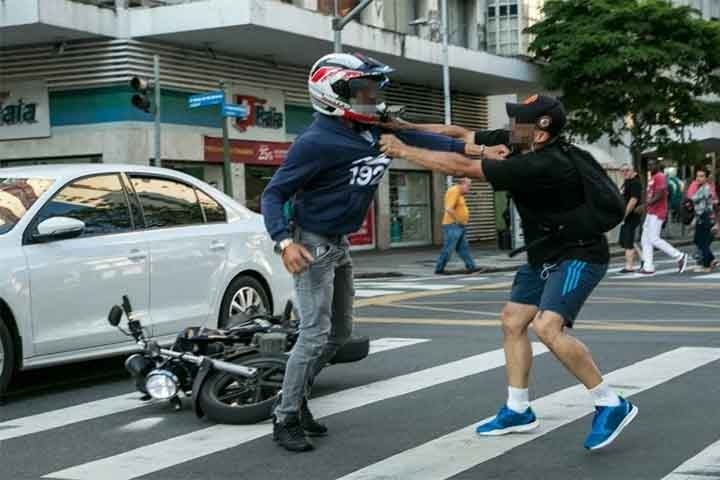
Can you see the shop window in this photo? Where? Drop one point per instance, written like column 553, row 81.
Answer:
column 256, row 179
column 167, row 203
column 410, row 208
column 97, row 201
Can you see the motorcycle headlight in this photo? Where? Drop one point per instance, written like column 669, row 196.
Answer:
column 161, row 384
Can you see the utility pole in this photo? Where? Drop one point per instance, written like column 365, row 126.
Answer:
column 446, row 69
column 158, row 145
column 338, row 22
column 227, row 166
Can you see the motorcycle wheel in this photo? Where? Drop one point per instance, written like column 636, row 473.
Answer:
column 226, row 398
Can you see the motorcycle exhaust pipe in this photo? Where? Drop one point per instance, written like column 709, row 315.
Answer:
column 234, row 368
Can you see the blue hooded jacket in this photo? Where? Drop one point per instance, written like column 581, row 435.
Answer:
column 333, row 171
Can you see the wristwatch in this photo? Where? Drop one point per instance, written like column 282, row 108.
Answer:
column 282, row 245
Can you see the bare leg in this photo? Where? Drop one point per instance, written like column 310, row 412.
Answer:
column 571, row 352
column 516, row 318
column 630, row 259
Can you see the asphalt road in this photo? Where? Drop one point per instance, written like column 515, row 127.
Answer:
column 408, row 412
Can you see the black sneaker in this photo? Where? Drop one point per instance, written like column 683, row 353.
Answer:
column 290, row 435
column 309, row 424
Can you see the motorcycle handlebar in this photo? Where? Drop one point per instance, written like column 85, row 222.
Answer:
column 221, row 365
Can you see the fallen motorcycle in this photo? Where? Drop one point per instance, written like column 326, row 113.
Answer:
column 233, row 375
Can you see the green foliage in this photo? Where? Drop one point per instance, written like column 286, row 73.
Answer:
column 637, row 67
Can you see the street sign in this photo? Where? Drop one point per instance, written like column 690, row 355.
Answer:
column 232, row 110
column 205, row 99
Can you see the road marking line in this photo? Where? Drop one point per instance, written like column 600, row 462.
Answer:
column 632, row 276
column 703, row 466
column 364, row 293
column 409, row 286
column 610, row 325
column 461, row 450
column 62, row 417
column 165, row 454
column 712, row 276
column 438, row 309
column 385, row 344
column 142, row 424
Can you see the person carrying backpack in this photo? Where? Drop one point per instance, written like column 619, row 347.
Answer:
column 566, row 203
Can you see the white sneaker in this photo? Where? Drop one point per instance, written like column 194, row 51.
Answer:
column 682, row 263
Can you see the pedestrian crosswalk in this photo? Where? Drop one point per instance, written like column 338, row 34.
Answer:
column 451, row 452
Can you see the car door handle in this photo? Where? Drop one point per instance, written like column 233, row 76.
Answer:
column 137, row 255
column 217, row 246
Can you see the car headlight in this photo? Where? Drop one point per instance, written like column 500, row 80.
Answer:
column 161, row 384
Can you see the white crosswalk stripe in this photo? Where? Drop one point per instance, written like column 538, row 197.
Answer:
column 19, row 427
column 712, row 276
column 368, row 293
column 703, row 466
column 165, row 454
column 461, row 450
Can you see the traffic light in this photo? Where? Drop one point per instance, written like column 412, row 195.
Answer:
column 141, row 99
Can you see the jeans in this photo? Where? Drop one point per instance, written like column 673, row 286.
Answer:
column 324, row 295
column 651, row 239
column 703, row 239
column 454, row 240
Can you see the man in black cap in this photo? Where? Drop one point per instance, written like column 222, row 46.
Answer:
column 561, row 273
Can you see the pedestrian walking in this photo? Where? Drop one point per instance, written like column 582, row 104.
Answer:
column 656, row 214
column 331, row 174
column 567, row 256
column 632, row 194
column 705, row 201
column 455, row 220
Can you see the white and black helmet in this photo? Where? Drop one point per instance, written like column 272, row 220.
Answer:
column 335, row 79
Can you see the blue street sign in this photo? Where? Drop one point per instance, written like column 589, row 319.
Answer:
column 207, row 98
column 230, row 110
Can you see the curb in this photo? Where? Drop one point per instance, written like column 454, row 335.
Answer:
column 509, row 268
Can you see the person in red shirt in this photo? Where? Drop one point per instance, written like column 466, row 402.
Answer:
column 657, row 211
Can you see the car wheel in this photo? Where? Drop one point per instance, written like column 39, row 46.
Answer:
column 244, row 296
column 7, row 357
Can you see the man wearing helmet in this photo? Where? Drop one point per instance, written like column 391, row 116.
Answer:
column 330, row 174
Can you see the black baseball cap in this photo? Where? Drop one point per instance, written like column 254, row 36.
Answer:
column 545, row 112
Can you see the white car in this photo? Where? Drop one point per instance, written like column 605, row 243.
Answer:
column 75, row 238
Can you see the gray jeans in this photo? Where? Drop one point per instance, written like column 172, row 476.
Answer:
column 324, row 295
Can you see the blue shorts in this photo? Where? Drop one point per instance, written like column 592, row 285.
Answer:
column 561, row 288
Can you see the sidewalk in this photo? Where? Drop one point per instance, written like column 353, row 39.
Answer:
column 420, row 261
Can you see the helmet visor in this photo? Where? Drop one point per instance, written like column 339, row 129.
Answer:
column 366, row 93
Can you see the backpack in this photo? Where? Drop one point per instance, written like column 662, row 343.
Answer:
column 675, row 193
column 603, row 208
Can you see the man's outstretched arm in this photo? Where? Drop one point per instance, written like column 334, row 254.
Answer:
column 454, row 131
column 446, row 162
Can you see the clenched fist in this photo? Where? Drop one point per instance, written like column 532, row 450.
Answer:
column 392, row 146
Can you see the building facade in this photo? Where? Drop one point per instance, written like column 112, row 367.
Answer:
column 66, row 66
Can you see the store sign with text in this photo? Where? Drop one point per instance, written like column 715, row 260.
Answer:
column 247, row 151
column 24, row 110
column 266, row 114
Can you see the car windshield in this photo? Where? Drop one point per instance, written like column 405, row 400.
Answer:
column 17, row 195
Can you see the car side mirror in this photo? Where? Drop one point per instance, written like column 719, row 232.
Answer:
column 59, row 228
